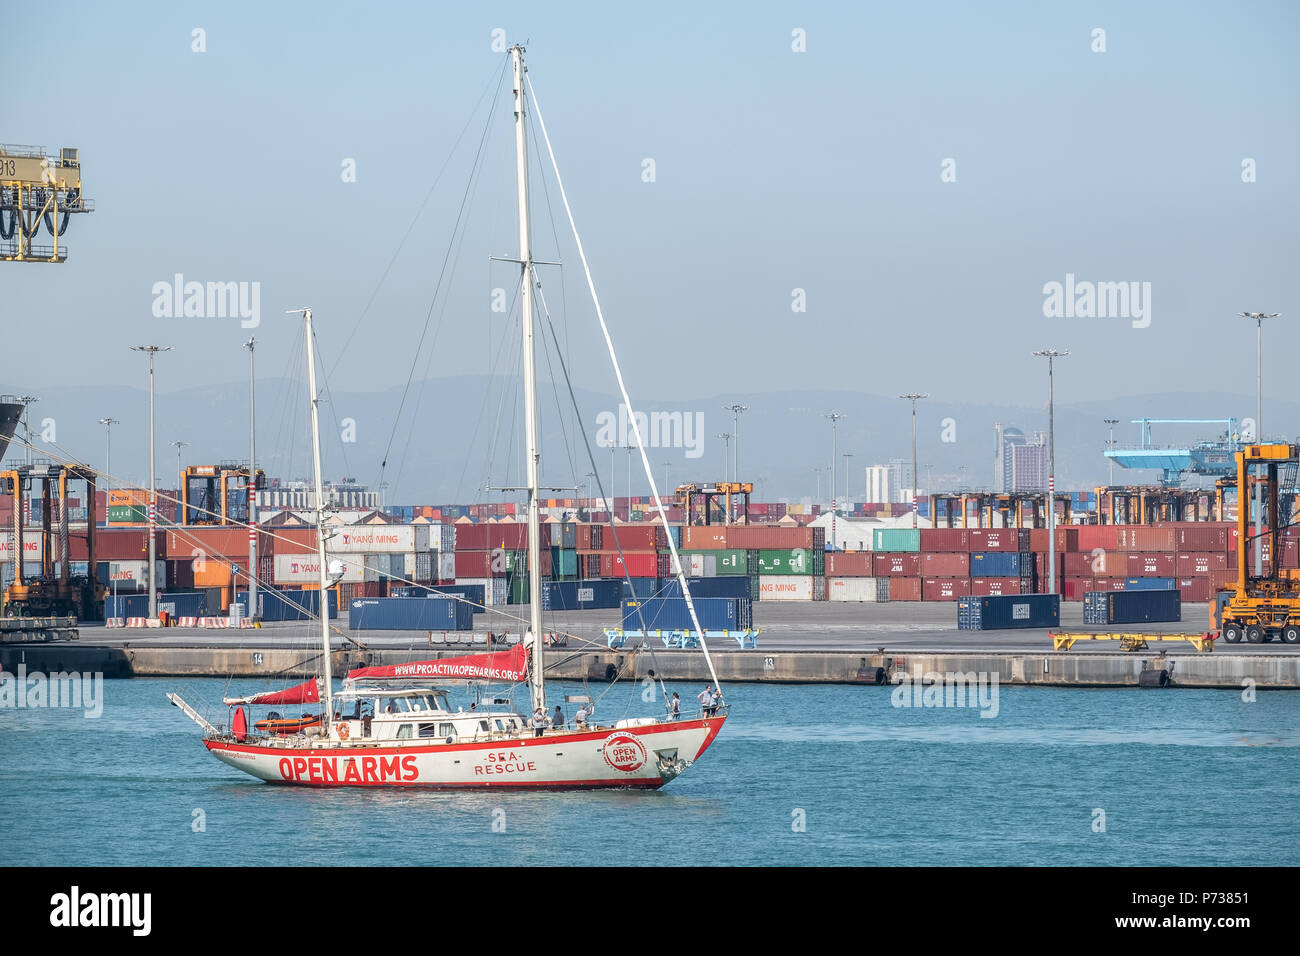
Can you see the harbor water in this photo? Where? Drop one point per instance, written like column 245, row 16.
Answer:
column 801, row 775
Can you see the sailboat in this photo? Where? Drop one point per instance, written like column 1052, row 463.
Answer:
column 394, row 726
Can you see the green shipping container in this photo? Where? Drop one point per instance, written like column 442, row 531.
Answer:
column 897, row 539
column 127, row 514
column 564, row 564
column 517, row 583
column 729, row 561
column 787, row 561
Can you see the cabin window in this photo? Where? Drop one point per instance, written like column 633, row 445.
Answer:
column 428, row 730
column 487, row 728
column 404, row 731
column 500, row 726
column 446, row 730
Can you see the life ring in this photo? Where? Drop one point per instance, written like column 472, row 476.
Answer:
column 343, row 731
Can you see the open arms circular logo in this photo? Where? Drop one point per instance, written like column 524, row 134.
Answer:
column 624, row 752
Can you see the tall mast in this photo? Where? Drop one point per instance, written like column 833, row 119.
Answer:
column 530, row 389
column 323, row 604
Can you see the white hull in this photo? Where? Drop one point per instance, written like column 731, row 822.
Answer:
column 642, row 756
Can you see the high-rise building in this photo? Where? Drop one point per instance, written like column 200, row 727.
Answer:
column 1024, row 461
column 880, row 486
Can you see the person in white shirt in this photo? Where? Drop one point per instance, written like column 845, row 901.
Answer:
column 706, row 700
column 580, row 718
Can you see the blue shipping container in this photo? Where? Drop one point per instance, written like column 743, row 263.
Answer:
column 731, row 585
column 1002, row 612
column 126, row 605
column 995, row 564
column 1132, row 607
column 638, row 588
column 1149, row 584
column 410, row 614
column 183, row 603
column 715, row 614
column 580, row 595
column 289, row 604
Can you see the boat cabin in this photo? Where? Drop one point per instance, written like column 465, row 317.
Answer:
column 386, row 714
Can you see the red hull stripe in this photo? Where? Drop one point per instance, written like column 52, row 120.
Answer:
column 714, row 725
column 610, row 784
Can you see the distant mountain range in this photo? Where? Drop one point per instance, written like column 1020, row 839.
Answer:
column 458, row 435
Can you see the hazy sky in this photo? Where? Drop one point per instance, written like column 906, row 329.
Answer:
column 774, row 170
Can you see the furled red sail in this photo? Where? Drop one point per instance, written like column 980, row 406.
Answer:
column 305, row 693
column 511, row 665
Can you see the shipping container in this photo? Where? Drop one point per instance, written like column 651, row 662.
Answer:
column 995, row 539
column 995, row 564
column 409, row 614
column 1195, row 589
column 904, row 589
column 944, row 589
column 770, row 537
column 581, row 595
column 714, row 614
column 865, row 590
column 797, row 561
column 305, row 569
column 1201, row 536
column 1148, row 584
column 945, row 539
column 982, row 587
column 1132, row 607
column 132, row 544
column 1143, row 538
column 896, row 539
column 1067, row 538
column 774, row 587
column 1091, row 563
column 995, row 613
column 902, row 564
column 1150, row 564
column 724, row 586
column 183, row 603
column 1099, row 537
column 474, row 594
column 638, row 588
column 494, row 589
column 850, row 564
column 1074, row 589
column 289, row 604
column 128, row 575
column 945, row 564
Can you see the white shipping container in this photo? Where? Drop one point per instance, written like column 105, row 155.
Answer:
column 380, row 539
column 702, row 565
column 785, row 587
column 32, row 550
column 131, row 575
column 442, row 537
column 305, row 569
column 494, row 589
column 446, row 565
column 852, row 589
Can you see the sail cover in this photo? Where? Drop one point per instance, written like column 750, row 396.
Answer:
column 511, row 665
column 304, row 693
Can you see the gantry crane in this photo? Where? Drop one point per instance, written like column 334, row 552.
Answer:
column 36, row 188
column 54, row 590
column 216, row 494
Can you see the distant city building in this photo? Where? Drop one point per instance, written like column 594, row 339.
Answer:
column 298, row 496
column 880, row 486
column 1022, row 461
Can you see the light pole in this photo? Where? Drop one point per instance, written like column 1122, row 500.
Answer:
column 736, row 410
column 178, row 445
column 151, row 351
column 914, row 397
column 1259, row 318
column 28, row 401
column 252, row 486
column 817, row 470
column 108, row 424
column 846, row 456
column 726, row 453
column 1110, row 444
column 1051, row 355
column 834, row 420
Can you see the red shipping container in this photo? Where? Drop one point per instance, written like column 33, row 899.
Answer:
column 1222, row 580
column 638, row 565
column 941, row 589
column 1194, row 589
column 982, row 587
column 995, row 539
column 1073, row 589
column 1140, row 538
column 704, row 538
column 1190, row 564
column 132, row 544
column 1067, row 538
column 1150, row 565
column 476, row 564
column 760, row 537
column 1040, row 565
column 1200, row 536
column 1092, row 563
column 1291, row 553
column 945, row 564
column 945, row 539
column 849, row 564
column 1111, row 584
column 291, row 540
column 906, row 564
column 1105, row 537
column 631, row 537
column 904, row 589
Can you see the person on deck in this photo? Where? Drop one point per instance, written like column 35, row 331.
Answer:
column 675, row 707
column 558, row 720
column 706, row 701
column 580, row 718
column 538, row 722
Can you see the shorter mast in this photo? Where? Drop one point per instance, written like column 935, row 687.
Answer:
column 322, row 605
